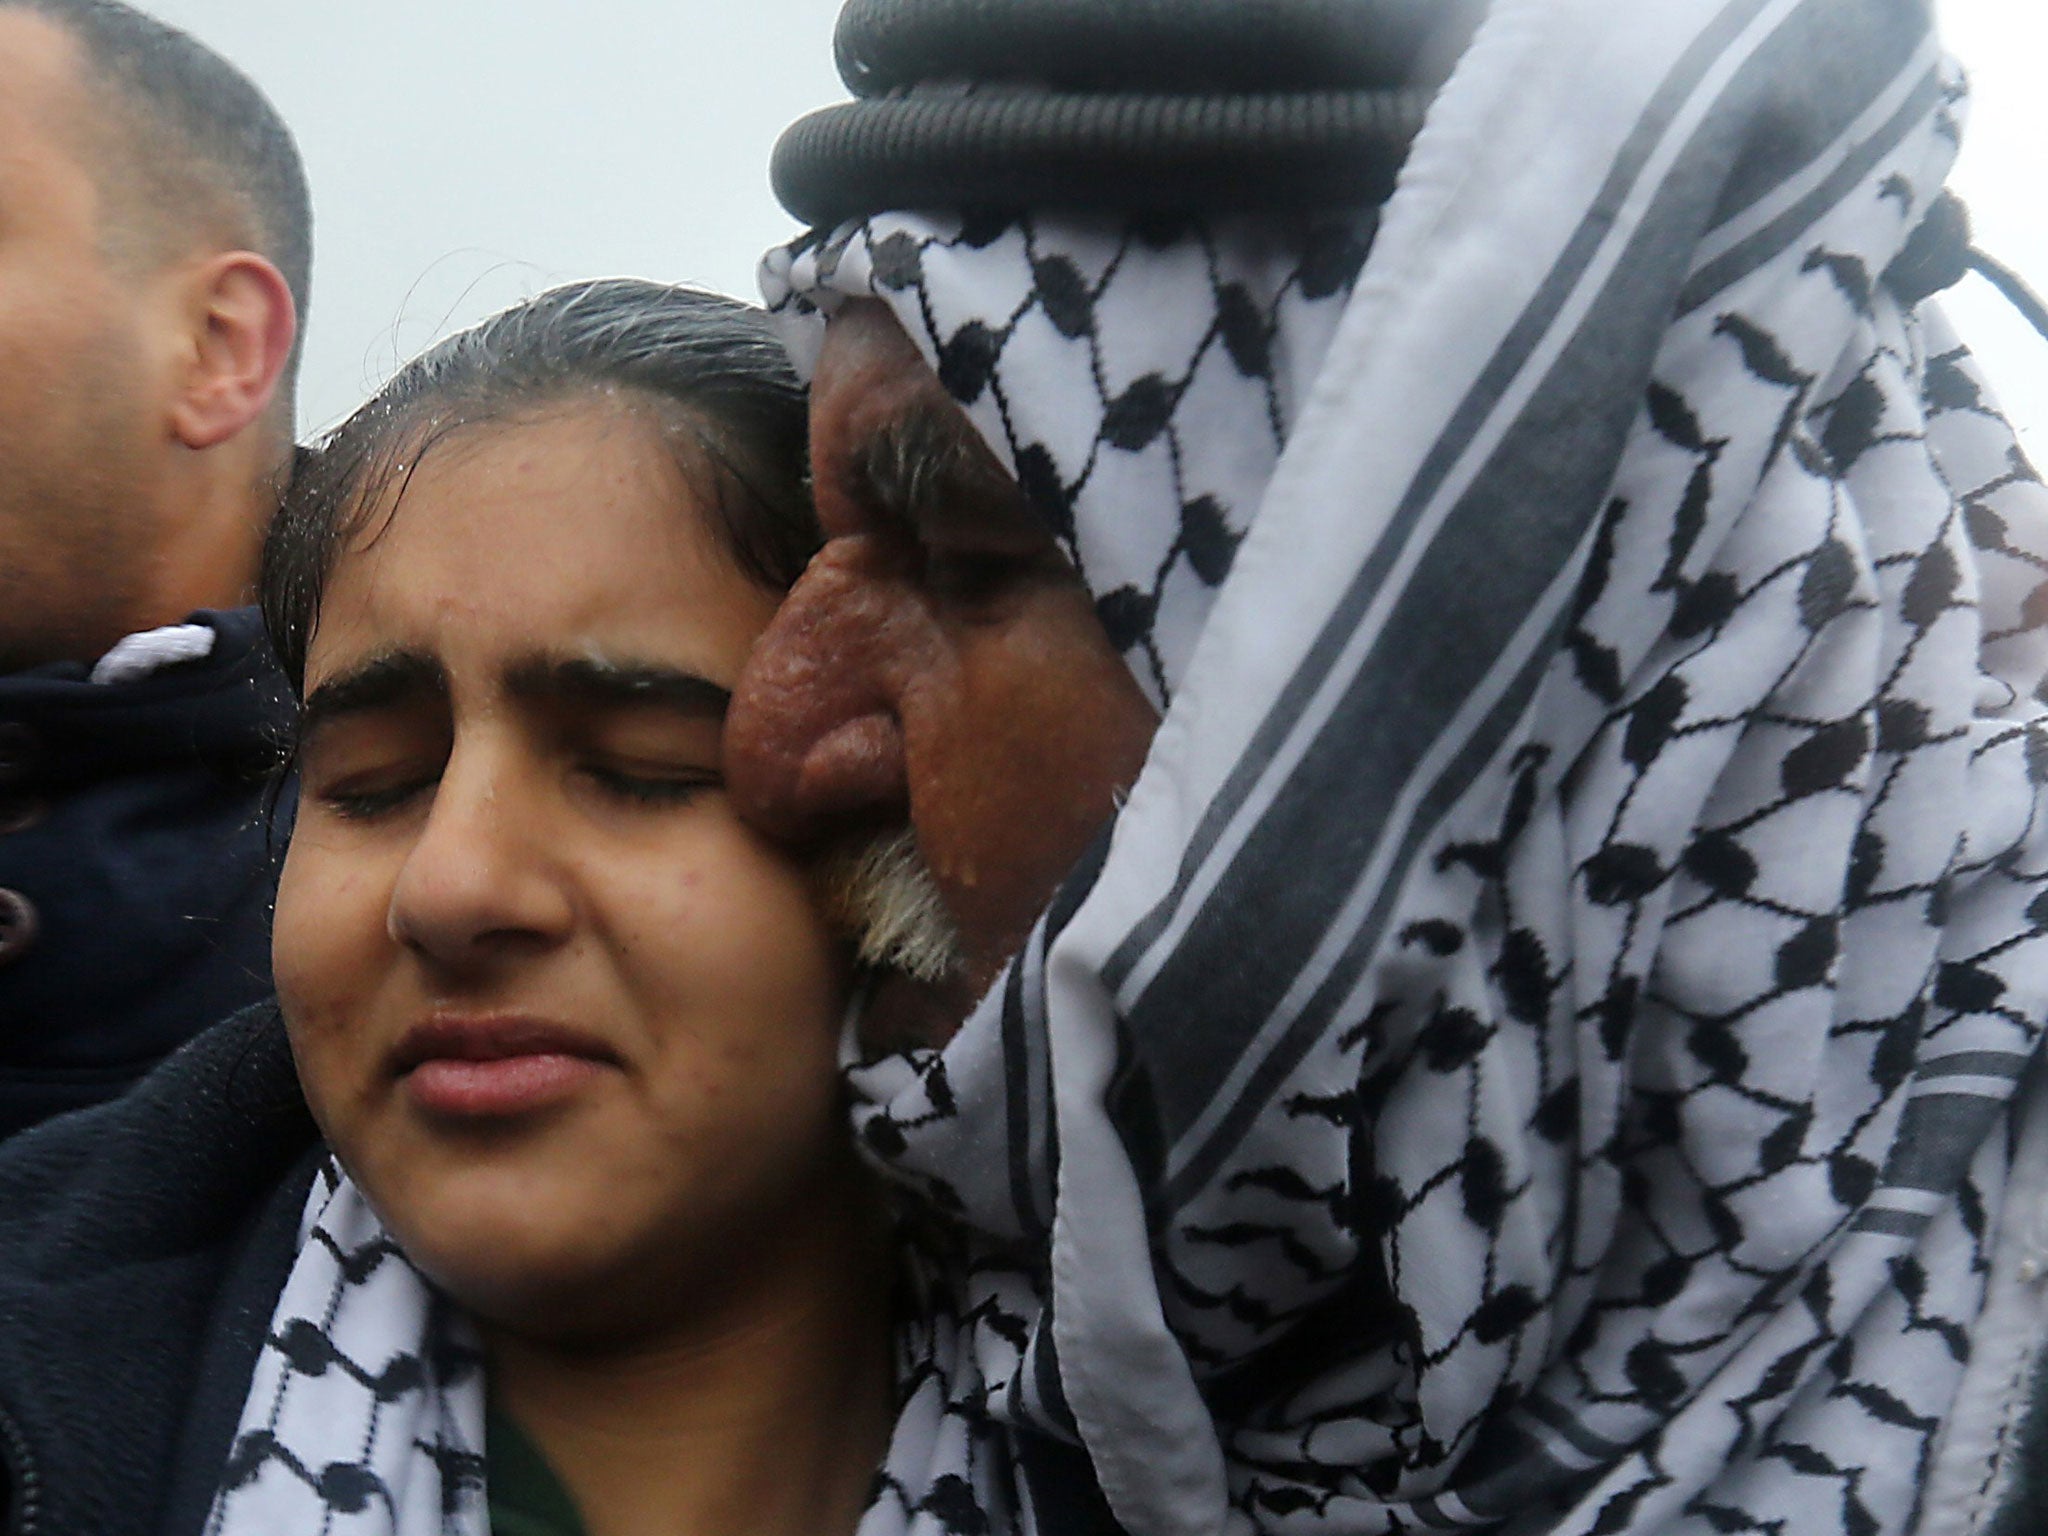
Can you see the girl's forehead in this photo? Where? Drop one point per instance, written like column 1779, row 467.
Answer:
column 558, row 531
column 582, row 446
column 497, row 494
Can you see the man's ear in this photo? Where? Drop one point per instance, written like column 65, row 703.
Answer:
column 240, row 322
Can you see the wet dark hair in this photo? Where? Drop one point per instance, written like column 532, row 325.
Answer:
column 191, row 132
column 708, row 366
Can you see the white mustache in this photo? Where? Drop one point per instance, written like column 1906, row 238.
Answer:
column 881, row 893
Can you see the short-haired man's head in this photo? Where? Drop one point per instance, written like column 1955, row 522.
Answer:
column 707, row 368
column 187, row 151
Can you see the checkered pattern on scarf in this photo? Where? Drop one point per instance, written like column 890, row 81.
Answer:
column 1612, row 1136
column 366, row 1414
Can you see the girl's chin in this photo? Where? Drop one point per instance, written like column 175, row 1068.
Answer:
column 506, row 1254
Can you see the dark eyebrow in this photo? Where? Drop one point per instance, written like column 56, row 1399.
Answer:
column 592, row 680
column 910, row 469
column 379, row 683
column 926, row 472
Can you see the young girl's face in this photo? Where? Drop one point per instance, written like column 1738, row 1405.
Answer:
column 565, row 1018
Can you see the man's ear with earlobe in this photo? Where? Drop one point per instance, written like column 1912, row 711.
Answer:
column 240, row 325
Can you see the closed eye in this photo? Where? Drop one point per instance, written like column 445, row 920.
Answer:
column 652, row 786
column 366, row 802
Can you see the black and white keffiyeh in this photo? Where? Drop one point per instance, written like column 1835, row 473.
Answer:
column 1539, row 1050
column 366, row 1413
column 1536, row 1053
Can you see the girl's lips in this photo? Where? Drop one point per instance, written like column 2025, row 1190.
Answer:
column 501, row 1087
column 495, row 1066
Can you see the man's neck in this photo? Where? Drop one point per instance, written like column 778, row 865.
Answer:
column 210, row 526
column 211, row 565
column 770, row 1420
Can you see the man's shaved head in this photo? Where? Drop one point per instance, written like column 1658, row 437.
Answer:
column 153, row 259
column 188, row 152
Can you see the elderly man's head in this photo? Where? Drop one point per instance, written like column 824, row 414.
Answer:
column 154, row 256
column 940, row 665
column 1037, row 438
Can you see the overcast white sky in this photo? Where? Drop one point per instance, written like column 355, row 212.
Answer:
column 467, row 153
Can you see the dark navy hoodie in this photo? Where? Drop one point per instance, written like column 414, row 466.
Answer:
column 136, row 864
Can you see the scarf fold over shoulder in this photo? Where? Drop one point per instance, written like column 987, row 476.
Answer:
column 1537, row 1052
